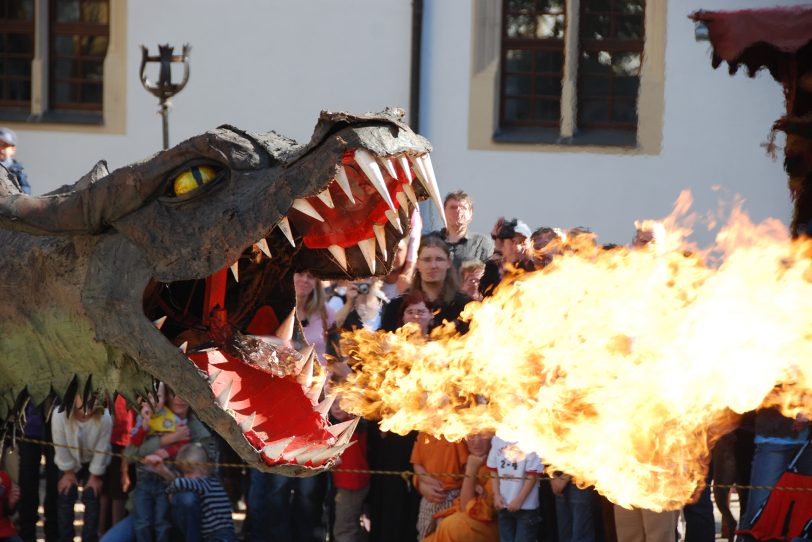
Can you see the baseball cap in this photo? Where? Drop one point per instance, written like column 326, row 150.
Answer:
column 8, row 136
column 513, row 227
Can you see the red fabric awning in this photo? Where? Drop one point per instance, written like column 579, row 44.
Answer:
column 758, row 37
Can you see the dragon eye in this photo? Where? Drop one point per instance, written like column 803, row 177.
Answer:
column 193, row 178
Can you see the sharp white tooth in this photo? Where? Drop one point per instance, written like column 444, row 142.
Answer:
column 380, row 235
column 316, row 389
column 323, row 408
column 367, row 247
column 214, row 375
column 235, row 270
column 285, row 329
column 340, row 255
column 275, row 449
column 305, row 376
column 248, row 423
column 394, row 219
column 284, row 227
column 390, row 167
column 184, row 345
column 404, row 165
column 373, row 172
column 225, row 396
column 293, row 454
column 344, row 183
column 262, row 245
column 309, row 454
column 430, row 182
column 409, row 191
column 306, row 353
column 403, row 201
column 304, row 206
column 159, row 323
column 326, row 198
column 345, row 437
column 329, row 453
column 339, row 428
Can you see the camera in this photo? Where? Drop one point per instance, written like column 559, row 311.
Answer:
column 363, row 288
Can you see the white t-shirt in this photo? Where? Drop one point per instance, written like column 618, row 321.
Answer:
column 507, row 459
column 314, row 331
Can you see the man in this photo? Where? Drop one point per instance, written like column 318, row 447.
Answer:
column 513, row 239
column 464, row 245
column 8, row 148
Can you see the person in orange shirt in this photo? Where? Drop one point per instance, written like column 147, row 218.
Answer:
column 430, row 457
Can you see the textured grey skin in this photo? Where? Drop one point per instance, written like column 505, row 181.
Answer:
column 74, row 264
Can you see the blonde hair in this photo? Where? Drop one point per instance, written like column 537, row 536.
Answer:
column 192, row 456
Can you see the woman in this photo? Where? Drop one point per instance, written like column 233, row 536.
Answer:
column 437, row 278
column 314, row 314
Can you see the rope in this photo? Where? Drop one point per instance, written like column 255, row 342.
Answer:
column 405, row 475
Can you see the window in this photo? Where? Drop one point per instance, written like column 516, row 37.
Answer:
column 564, row 73
column 63, row 61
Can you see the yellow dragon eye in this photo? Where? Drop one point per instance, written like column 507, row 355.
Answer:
column 193, row 178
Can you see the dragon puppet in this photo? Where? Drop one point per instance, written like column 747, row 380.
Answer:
column 179, row 269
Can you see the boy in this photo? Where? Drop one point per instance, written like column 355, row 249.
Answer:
column 217, row 525
column 516, row 499
column 8, row 148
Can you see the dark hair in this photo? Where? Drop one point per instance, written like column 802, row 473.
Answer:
column 451, row 284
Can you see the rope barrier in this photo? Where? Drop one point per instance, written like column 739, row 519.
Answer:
column 406, row 475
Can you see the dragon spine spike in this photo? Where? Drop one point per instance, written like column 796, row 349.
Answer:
column 213, row 377
column 183, row 346
column 305, row 376
column 159, row 322
column 409, row 191
column 367, row 247
column 284, row 227
column 248, row 422
column 345, row 437
column 394, row 219
column 404, row 165
column 275, row 449
column 291, row 455
column 434, row 190
column 285, row 329
column 344, row 183
column 304, row 206
column 262, row 245
column 403, row 201
column 316, row 389
column 380, row 235
column 323, row 408
column 339, row 428
column 307, row 353
column 225, row 396
column 340, row 255
column 326, row 198
column 389, row 165
column 373, row 172
column 331, row 452
column 235, row 270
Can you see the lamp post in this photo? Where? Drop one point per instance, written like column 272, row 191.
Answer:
column 164, row 88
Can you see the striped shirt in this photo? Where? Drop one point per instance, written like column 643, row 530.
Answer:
column 214, row 503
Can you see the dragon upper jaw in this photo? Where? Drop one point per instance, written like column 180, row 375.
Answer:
column 356, row 221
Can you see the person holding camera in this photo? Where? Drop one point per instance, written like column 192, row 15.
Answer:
column 365, row 301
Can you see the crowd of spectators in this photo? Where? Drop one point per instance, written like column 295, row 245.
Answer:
column 433, row 278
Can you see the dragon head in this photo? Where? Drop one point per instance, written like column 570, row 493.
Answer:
column 197, row 246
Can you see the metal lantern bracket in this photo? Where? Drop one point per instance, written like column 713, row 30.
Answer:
column 164, row 88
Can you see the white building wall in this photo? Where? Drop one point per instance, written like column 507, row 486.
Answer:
column 256, row 64
column 713, row 127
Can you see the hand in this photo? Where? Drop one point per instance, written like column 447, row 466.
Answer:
column 513, row 505
column 558, row 484
column 498, row 501
column 153, row 460
column 126, row 482
column 403, row 283
column 181, row 433
column 14, row 495
column 66, row 482
column 474, row 463
column 161, row 453
column 431, row 489
column 94, row 483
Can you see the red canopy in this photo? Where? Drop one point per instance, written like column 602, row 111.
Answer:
column 758, row 37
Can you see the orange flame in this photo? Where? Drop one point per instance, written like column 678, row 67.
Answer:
column 619, row 367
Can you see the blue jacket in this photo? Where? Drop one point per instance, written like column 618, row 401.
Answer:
column 17, row 173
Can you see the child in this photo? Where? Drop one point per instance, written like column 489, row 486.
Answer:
column 9, row 496
column 351, row 488
column 217, row 525
column 82, row 454
column 517, row 500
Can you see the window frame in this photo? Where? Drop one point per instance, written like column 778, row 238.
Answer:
column 16, row 26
